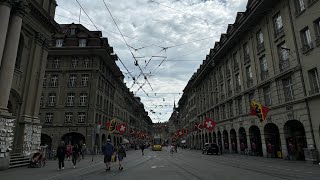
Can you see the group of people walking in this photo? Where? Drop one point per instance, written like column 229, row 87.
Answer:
column 75, row 153
column 111, row 154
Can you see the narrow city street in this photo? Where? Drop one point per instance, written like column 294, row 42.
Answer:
column 186, row 164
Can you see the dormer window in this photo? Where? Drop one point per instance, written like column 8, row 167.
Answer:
column 59, row 42
column 82, row 42
column 72, row 31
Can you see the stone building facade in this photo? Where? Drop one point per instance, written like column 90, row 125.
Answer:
column 26, row 28
column 25, row 32
column 270, row 55
column 83, row 89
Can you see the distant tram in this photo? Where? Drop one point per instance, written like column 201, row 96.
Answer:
column 157, row 143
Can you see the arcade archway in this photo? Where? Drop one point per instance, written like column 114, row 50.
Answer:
column 243, row 139
column 272, row 138
column 255, row 140
column 73, row 138
column 226, row 140
column 295, row 139
column 233, row 138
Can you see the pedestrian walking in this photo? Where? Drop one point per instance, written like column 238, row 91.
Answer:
column 142, row 147
column 69, row 151
column 121, row 154
column 61, row 154
column 75, row 154
column 107, row 150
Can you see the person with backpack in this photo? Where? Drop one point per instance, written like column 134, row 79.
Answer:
column 121, row 154
column 108, row 151
column 61, row 154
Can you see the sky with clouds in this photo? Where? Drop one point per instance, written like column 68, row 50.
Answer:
column 167, row 40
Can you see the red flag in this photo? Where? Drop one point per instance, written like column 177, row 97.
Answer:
column 122, row 128
column 259, row 110
column 209, row 124
column 180, row 133
column 108, row 124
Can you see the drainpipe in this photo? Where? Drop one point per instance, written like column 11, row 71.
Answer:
column 302, row 77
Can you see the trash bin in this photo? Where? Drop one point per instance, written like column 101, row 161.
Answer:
column 311, row 155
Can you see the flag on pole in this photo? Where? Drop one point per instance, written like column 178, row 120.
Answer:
column 259, row 110
column 209, row 124
column 122, row 128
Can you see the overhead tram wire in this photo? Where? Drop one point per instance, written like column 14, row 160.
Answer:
column 99, row 30
column 205, row 20
column 126, row 43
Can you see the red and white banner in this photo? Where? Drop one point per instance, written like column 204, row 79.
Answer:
column 209, row 124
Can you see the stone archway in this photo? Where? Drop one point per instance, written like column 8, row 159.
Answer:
column 46, row 140
column 255, row 140
column 295, row 139
column 233, row 138
column 272, row 140
column 243, row 139
column 219, row 139
column 210, row 138
column 109, row 137
column 226, row 140
column 73, row 138
column 206, row 140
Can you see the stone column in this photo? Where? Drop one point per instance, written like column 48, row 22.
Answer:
column 10, row 55
column 283, row 143
column 5, row 8
column 238, row 141
column 264, row 146
column 248, row 141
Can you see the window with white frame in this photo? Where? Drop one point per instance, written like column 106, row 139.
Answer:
column 86, row 63
column 52, row 99
column 49, row 118
column 74, row 62
column 246, row 52
column 56, row 63
column 239, row 104
column 264, row 68
column 83, row 99
column 317, row 27
column 249, row 73
column 314, row 80
column 260, row 40
column 72, row 80
column 72, row 31
column 44, row 83
column 81, row 117
column 68, row 117
column 54, row 81
column 84, row 80
column 70, row 99
column 306, row 39
column 288, row 89
column 267, row 95
column 238, row 80
column 300, row 6
column 82, row 42
column 278, row 25
column 283, row 52
column 59, row 42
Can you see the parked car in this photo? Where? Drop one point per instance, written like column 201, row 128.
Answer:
column 210, row 148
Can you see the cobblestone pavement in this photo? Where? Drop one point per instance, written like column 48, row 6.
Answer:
column 186, row 164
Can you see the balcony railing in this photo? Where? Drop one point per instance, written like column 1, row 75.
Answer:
column 260, row 47
column 284, row 64
column 264, row 75
column 307, row 47
column 279, row 32
column 249, row 83
column 314, row 91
